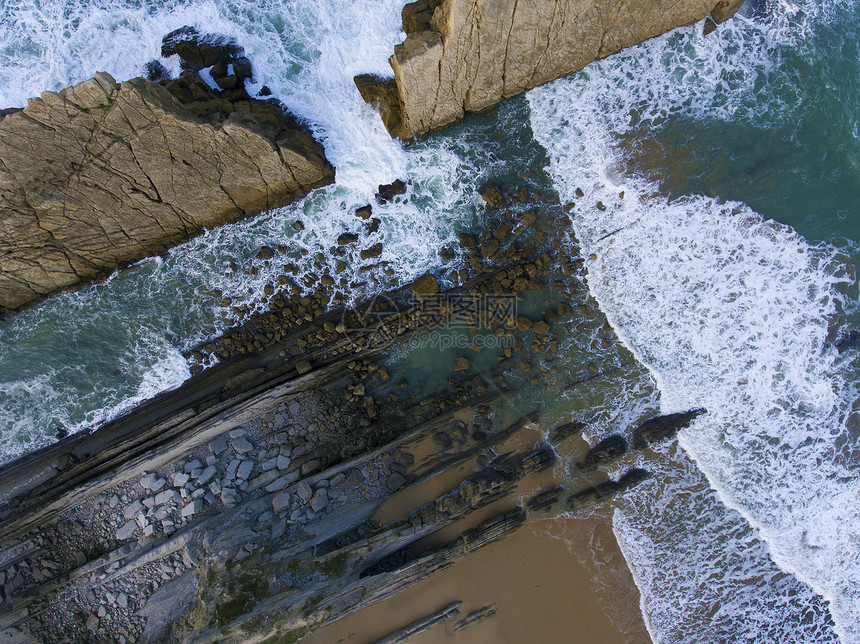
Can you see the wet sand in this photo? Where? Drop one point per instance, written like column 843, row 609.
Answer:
column 559, row 579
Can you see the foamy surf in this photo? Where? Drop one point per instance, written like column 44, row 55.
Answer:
column 86, row 356
column 306, row 52
column 730, row 312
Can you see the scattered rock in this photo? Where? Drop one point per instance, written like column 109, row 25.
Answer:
column 373, row 251
column 280, row 501
column 241, row 445
column 425, row 287
column 319, row 500
column 462, row 364
column 395, row 482
column 126, row 531
column 304, row 492
column 387, row 192
column 218, row 445
column 493, row 196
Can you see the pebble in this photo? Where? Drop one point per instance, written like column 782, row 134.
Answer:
column 304, row 492
column 242, row 446
column 280, row 483
column 281, row 502
column 283, row 462
column 164, row 497
column 218, row 445
column 279, row 528
column 193, row 465
column 131, row 510
column 126, row 531
column 245, row 469
column 238, row 432
column 180, row 479
column 229, row 497
column 207, row 475
column 319, row 500
column 192, row 508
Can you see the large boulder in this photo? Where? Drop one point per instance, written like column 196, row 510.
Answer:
column 461, row 56
column 103, row 174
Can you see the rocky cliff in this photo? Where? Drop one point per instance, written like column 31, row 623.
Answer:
column 103, row 174
column 465, row 55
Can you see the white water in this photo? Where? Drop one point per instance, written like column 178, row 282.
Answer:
column 86, row 356
column 730, row 312
column 306, row 52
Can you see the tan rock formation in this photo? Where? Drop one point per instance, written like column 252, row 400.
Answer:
column 465, row 55
column 103, row 174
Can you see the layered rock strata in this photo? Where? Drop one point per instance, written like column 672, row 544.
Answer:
column 465, row 55
column 245, row 505
column 103, row 174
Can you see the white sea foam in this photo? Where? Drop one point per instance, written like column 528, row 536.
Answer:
column 307, row 52
column 730, row 312
column 83, row 357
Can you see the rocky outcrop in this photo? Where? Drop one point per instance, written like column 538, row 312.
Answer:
column 465, row 55
column 103, row 174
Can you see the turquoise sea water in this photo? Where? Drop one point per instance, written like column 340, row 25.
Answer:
column 730, row 273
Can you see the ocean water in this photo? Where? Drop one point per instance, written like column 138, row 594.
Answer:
column 720, row 219
column 721, row 183
column 86, row 356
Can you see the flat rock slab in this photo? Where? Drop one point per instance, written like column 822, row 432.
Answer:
column 103, row 174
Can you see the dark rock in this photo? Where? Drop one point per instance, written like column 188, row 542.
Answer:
column 632, row 477
column 395, row 482
column 381, row 93
column 171, row 40
column 387, row 192
column 155, row 71
column 501, row 233
column 425, row 287
column 209, row 53
column 373, row 251
column 489, row 247
column 227, row 82
column 364, row 212
column 346, row 239
column 417, row 16
column 265, row 253
column 462, row 364
column 493, row 196
column 220, row 69
column 606, row 450
column 662, row 427
column 468, row 241
column 243, row 69
column 374, row 225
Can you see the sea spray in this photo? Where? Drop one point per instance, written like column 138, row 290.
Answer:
column 731, row 312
